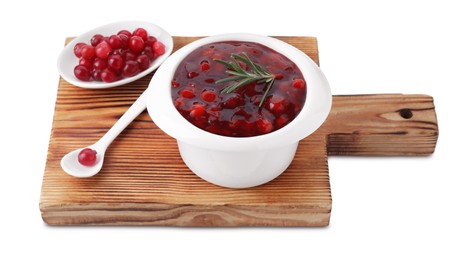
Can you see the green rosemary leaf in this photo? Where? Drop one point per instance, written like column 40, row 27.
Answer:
column 231, row 65
column 227, row 79
column 235, row 66
column 238, row 85
column 256, row 68
column 269, row 85
column 225, row 63
column 262, row 69
column 242, row 77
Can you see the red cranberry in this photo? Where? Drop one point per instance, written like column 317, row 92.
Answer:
column 158, row 48
column 175, row 84
column 88, row 52
column 82, row 73
column 78, row 48
column 136, row 44
column 192, row 74
column 264, row 126
column 115, row 62
column 277, row 104
column 142, row 33
column 149, row 52
column 96, row 74
column 209, row 95
column 125, row 32
column 103, row 49
column 144, row 62
column 198, row 111
column 129, row 55
column 124, row 41
column 150, row 41
column 99, row 64
column 87, row 157
column 187, row 93
column 131, row 68
column 204, row 66
column 115, row 42
column 233, row 100
column 96, row 39
column 86, row 63
column 298, row 83
column 108, row 75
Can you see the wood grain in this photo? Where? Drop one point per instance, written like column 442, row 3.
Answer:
column 145, row 182
column 382, row 125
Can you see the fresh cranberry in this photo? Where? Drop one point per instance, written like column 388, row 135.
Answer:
column 96, row 74
column 130, row 69
column 86, row 63
column 78, row 48
column 88, row 52
column 82, row 73
column 125, row 32
column 87, row 157
column 116, row 62
column 99, row 64
column 147, row 50
column 150, row 40
column 108, row 75
column 119, row 52
column 103, row 49
column 129, row 55
column 158, row 48
column 136, row 44
column 141, row 32
column 144, row 62
column 106, row 39
column 124, row 41
column 96, row 39
column 115, row 42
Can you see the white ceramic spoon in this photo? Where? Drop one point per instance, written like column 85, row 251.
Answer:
column 70, row 163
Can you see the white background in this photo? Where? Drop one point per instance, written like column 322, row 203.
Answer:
column 383, row 208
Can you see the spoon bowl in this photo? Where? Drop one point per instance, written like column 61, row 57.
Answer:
column 70, row 162
column 71, row 165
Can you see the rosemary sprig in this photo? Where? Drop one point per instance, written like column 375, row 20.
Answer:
column 242, row 77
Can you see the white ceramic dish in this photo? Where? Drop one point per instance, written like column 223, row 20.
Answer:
column 67, row 60
column 239, row 162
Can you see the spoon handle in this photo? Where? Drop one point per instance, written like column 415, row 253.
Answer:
column 137, row 107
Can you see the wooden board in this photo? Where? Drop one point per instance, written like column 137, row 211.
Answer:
column 145, row 182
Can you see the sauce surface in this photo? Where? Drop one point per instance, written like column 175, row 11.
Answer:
column 199, row 99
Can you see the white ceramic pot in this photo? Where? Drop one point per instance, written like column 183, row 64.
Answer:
column 239, row 162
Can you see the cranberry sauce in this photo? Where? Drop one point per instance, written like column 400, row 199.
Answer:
column 238, row 114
